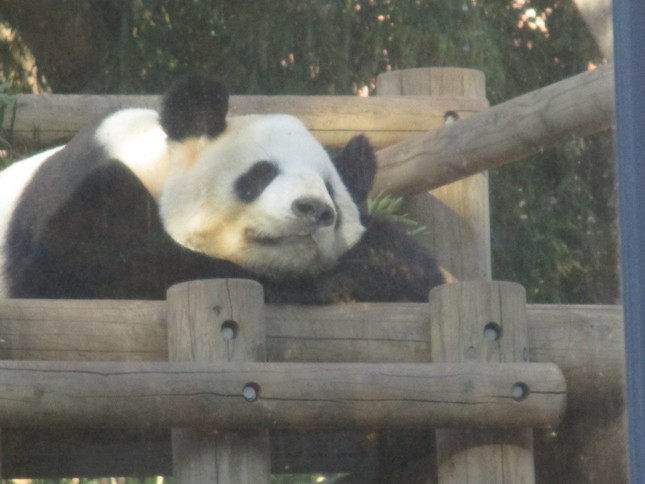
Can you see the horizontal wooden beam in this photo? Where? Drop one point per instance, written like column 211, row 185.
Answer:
column 40, row 120
column 279, row 395
column 578, row 106
column 586, row 342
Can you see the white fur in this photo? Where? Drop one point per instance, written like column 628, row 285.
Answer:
column 135, row 137
column 200, row 210
column 13, row 181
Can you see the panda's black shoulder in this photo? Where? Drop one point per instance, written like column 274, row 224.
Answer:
column 389, row 264
column 103, row 239
column 68, row 206
column 66, row 221
column 60, row 175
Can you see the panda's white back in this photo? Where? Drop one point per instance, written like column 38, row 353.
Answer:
column 136, row 139
column 13, row 181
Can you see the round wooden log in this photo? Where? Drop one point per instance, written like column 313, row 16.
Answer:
column 249, row 396
column 480, row 321
column 40, row 120
column 437, row 82
column 578, row 106
column 210, row 321
column 585, row 341
column 456, row 215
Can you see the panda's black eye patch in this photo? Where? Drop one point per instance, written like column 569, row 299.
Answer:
column 249, row 186
column 330, row 189
column 339, row 215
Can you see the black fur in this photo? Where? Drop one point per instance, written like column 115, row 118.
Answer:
column 194, row 106
column 357, row 176
column 249, row 186
column 387, row 265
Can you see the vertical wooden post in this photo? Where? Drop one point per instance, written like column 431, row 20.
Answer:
column 457, row 221
column 457, row 215
column 210, row 321
column 485, row 322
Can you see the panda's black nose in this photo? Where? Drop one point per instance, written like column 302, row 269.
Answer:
column 314, row 211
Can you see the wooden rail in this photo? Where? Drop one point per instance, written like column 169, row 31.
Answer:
column 281, row 395
column 40, row 120
column 586, row 342
column 578, row 106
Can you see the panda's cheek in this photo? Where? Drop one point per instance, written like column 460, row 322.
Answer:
column 220, row 238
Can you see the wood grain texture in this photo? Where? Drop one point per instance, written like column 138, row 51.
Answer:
column 585, row 341
column 577, row 106
column 433, row 81
column 482, row 322
column 210, row 321
column 209, row 396
column 456, row 215
column 40, row 120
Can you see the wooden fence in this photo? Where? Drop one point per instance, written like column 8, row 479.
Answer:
column 323, row 380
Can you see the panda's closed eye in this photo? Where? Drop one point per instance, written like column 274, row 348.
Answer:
column 251, row 184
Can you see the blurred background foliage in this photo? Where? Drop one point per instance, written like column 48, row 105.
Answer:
column 553, row 216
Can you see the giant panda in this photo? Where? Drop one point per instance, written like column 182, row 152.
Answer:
column 141, row 199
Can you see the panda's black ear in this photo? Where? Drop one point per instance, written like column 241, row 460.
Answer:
column 194, row 106
column 356, row 165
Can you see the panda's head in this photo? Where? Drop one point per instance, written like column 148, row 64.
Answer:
column 259, row 191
